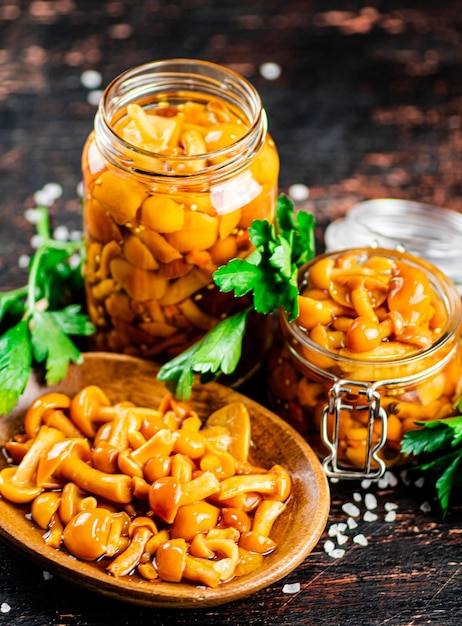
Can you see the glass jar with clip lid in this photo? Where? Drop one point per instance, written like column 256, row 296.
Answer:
column 375, row 350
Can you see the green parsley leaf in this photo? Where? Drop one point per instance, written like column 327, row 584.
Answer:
column 217, row 352
column 10, row 304
column 240, row 275
column 434, row 435
column 38, row 320
column 438, row 448
column 72, row 321
column 52, row 345
column 269, row 275
column 15, row 364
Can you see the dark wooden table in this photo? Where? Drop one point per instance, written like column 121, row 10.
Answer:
column 364, row 101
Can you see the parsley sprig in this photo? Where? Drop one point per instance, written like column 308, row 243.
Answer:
column 439, row 448
column 269, row 276
column 38, row 320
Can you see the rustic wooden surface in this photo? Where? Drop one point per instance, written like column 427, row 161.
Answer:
column 367, row 105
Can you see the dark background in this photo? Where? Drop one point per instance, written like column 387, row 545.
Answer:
column 368, row 104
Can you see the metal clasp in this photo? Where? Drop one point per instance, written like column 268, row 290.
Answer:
column 340, row 396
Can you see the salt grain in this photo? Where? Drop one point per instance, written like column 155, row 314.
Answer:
column 366, row 483
column 47, row 575
column 32, row 216
column 53, row 190
column 352, row 523
column 388, row 480
column 5, row 607
column 299, row 192
column 270, row 70
column 357, row 497
column 94, row 97
column 425, row 507
column 405, row 478
column 350, row 509
column 360, row 540
column 23, row 261
column 329, row 546
column 370, row 517
column 337, row 553
column 333, row 530
column 390, row 516
column 91, row 79
column 370, row 501
column 291, row 588
column 342, row 539
column 420, row 482
column 36, row 241
column 391, row 478
column 390, row 506
column 61, row 233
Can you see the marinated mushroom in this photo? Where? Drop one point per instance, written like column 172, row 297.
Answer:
column 180, row 500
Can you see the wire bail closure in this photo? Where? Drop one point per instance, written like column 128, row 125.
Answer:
column 339, row 394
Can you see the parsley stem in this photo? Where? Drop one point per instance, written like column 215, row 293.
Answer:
column 33, row 271
column 46, row 243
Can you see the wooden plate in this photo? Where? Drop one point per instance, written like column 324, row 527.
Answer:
column 296, row 531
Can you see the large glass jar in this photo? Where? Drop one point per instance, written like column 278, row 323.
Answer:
column 375, row 350
column 178, row 166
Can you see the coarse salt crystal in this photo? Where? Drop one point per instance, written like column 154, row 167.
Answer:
column 342, row 539
column 91, row 79
column 425, row 507
column 370, row 501
column 47, row 575
column 32, row 216
column 360, row 539
column 270, row 70
column 405, row 477
column 366, row 483
column 23, row 261
column 420, row 482
column 350, row 509
column 74, row 261
column 291, row 588
column 337, row 553
column 75, row 235
column 391, row 478
column 390, row 516
column 61, row 233
column 299, row 192
column 357, row 497
column 333, row 530
column 94, row 96
column 53, row 190
column 5, row 607
column 387, row 480
column 390, row 506
column 36, row 241
column 329, row 546
column 352, row 523
column 370, row 517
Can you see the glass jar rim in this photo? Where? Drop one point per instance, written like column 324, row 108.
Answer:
column 182, row 70
column 445, row 287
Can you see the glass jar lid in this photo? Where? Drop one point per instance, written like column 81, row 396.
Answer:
column 430, row 232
